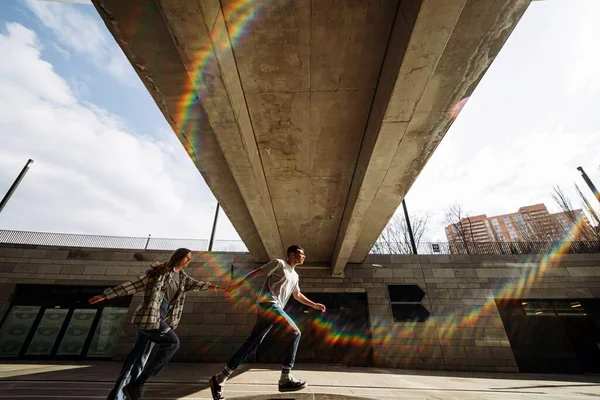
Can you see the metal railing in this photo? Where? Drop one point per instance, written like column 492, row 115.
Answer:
column 117, row 242
column 237, row 246
column 459, row 247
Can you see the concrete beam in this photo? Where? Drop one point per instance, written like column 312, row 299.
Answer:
column 213, row 128
column 309, row 70
column 203, row 42
column 438, row 52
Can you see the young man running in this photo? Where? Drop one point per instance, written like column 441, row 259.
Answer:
column 281, row 283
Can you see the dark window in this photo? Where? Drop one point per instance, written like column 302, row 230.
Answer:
column 541, row 308
column 406, row 293
column 406, row 303
column 569, row 307
column 537, row 307
column 409, row 312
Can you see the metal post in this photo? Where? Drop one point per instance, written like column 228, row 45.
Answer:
column 15, row 184
column 214, row 228
column 147, row 241
column 410, row 232
column 589, row 183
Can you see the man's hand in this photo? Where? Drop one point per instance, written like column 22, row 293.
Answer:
column 319, row 306
column 97, row 299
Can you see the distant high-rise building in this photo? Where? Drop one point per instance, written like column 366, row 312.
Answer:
column 530, row 223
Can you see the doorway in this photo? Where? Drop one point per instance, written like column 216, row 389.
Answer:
column 341, row 335
column 55, row 322
column 553, row 336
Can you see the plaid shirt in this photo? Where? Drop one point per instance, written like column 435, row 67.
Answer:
column 147, row 315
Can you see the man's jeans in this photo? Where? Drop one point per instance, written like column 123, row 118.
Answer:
column 268, row 316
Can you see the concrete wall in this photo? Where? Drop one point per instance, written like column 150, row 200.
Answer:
column 464, row 332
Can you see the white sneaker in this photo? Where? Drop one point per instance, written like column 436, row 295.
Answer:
column 291, row 384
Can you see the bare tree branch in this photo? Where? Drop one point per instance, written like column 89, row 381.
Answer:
column 395, row 238
column 582, row 229
column 462, row 228
column 588, row 207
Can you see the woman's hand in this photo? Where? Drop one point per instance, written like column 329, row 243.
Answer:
column 217, row 288
column 97, row 299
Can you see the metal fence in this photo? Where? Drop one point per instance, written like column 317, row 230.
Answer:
column 237, row 246
column 459, row 247
column 117, row 242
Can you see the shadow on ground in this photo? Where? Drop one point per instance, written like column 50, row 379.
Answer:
column 302, row 396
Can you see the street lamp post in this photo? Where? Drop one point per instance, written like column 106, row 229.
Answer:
column 410, row 232
column 15, row 184
column 214, row 227
column 589, row 183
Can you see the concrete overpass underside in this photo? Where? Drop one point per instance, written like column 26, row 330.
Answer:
column 310, row 119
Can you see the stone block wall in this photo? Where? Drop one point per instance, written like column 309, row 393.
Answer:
column 464, row 331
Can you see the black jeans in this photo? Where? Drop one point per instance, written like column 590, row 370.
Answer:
column 166, row 344
column 151, row 352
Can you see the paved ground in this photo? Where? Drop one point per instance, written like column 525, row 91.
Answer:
column 188, row 381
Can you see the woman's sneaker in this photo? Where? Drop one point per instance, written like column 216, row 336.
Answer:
column 215, row 389
column 291, row 384
column 133, row 391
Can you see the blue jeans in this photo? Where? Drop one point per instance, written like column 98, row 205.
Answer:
column 166, row 344
column 151, row 352
column 268, row 316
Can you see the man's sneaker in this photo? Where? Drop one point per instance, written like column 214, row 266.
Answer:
column 133, row 391
column 291, row 384
column 215, row 388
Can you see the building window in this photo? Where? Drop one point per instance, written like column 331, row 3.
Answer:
column 406, row 304
column 544, row 308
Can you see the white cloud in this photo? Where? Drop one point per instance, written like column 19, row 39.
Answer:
column 79, row 86
column 585, row 59
column 91, row 174
column 62, row 51
column 85, row 35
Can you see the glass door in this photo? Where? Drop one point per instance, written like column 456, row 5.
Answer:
column 46, row 332
column 16, row 328
column 77, row 332
column 57, row 322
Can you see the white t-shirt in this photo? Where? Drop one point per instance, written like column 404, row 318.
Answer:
column 282, row 280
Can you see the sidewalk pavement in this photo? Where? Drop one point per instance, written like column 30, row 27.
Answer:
column 93, row 380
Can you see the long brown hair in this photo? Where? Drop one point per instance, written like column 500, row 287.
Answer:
column 165, row 268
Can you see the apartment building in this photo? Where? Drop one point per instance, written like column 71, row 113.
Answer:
column 529, row 223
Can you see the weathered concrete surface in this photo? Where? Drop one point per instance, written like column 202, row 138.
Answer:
column 451, row 45
column 259, row 382
column 310, row 119
column 183, row 98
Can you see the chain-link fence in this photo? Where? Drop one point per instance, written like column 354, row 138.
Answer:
column 237, row 246
column 117, row 242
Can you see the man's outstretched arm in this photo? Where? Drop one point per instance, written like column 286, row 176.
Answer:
column 308, row 302
column 265, row 269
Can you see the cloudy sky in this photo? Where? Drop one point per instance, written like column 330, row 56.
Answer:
column 107, row 163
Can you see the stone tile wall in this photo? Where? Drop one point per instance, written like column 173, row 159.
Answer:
column 464, row 331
